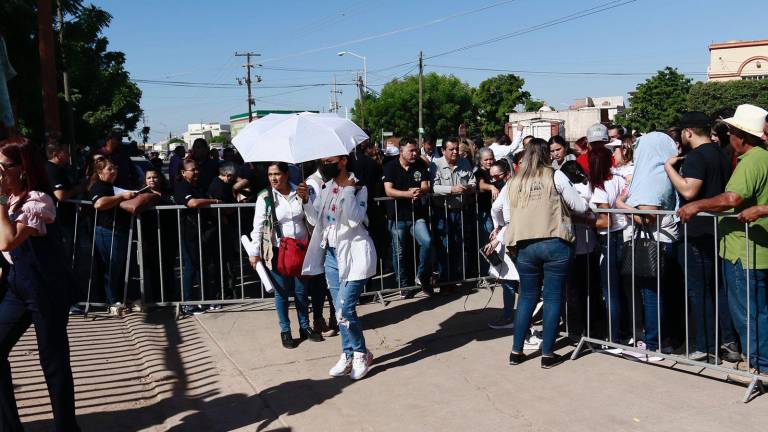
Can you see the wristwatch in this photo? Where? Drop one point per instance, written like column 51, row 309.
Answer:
column 4, row 200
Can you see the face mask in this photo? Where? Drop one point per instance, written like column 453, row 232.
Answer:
column 499, row 184
column 329, row 171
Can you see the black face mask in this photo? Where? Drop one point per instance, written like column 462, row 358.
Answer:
column 499, row 184
column 329, row 171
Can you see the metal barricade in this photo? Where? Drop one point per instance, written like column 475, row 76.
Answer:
column 170, row 246
column 630, row 344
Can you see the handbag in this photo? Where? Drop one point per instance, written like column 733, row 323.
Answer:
column 291, row 252
column 139, row 203
column 648, row 256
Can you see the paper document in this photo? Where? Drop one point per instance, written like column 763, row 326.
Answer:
column 250, row 249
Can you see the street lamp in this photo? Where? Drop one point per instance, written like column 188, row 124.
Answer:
column 365, row 65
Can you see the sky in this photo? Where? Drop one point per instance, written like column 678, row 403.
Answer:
column 564, row 50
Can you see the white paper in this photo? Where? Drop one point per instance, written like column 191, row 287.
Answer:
column 118, row 190
column 250, row 249
column 266, row 282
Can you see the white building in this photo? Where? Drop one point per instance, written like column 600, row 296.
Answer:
column 571, row 123
column 206, row 131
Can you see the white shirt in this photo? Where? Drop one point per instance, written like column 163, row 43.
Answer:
column 586, row 238
column 289, row 212
column 608, row 195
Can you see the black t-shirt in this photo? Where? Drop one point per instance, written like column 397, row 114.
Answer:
column 221, row 191
column 403, row 180
column 483, row 198
column 105, row 218
column 708, row 163
column 209, row 170
column 58, row 175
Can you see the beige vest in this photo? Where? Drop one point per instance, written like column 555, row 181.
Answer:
column 543, row 216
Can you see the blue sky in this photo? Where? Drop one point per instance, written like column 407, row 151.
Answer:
column 195, row 41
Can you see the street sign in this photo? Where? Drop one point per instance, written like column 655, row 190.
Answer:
column 387, row 134
column 421, row 130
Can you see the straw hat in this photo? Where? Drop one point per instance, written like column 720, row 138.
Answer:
column 749, row 118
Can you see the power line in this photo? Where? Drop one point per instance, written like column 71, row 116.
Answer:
column 567, row 18
column 396, row 31
column 520, row 71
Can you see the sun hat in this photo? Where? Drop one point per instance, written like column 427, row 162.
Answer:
column 748, row 118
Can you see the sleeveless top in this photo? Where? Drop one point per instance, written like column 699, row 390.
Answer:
column 543, row 216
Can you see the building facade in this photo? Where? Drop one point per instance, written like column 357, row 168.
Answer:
column 738, row 60
column 206, row 131
column 572, row 123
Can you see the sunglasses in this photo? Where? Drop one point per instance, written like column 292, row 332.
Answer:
column 8, row 165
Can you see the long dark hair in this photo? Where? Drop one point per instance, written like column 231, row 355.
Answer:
column 600, row 161
column 26, row 154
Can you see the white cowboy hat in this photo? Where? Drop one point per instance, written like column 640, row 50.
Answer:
column 749, row 118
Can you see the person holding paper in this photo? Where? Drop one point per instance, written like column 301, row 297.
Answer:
column 280, row 214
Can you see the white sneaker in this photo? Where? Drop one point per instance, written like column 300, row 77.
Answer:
column 533, row 342
column 361, row 362
column 342, row 367
column 697, row 356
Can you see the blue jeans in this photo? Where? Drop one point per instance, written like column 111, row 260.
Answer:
column 700, row 273
column 736, row 281
column 508, row 290
column 345, row 295
column 653, row 301
column 420, row 232
column 284, row 286
column 114, row 255
column 548, row 260
column 610, row 279
column 448, row 253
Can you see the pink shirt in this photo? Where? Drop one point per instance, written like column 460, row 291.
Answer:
column 36, row 212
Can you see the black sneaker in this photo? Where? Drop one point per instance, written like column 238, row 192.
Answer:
column 308, row 333
column 516, row 358
column 547, row 362
column 730, row 352
column 407, row 294
column 287, row 340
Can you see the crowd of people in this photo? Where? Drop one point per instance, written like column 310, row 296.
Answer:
column 604, row 238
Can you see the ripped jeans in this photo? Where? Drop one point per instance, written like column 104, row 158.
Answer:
column 345, row 295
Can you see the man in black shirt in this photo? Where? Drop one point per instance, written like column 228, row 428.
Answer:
column 221, row 189
column 194, row 236
column 208, row 168
column 406, row 180
column 127, row 171
column 704, row 174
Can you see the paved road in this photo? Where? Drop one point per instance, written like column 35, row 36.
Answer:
column 437, row 367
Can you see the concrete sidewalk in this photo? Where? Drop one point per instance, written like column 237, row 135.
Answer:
column 437, row 367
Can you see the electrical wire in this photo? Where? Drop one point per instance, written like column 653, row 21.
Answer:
column 521, row 71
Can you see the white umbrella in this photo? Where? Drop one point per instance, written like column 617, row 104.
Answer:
column 297, row 138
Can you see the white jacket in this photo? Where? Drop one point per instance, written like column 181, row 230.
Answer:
column 352, row 238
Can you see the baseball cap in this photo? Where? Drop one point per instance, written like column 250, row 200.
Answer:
column 694, row 119
column 597, row 132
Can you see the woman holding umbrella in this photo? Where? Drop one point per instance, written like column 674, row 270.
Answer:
column 338, row 215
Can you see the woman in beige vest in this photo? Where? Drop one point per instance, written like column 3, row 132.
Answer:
column 541, row 235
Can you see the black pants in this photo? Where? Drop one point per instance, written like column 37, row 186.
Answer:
column 49, row 314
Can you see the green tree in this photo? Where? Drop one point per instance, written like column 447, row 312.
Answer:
column 714, row 97
column 658, row 102
column 102, row 94
column 221, row 139
column 495, row 98
column 447, row 103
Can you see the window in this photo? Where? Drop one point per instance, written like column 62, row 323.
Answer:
column 754, row 77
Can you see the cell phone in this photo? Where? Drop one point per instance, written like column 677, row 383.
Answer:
column 493, row 258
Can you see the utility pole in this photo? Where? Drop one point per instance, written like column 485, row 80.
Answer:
column 248, row 65
column 334, row 97
column 65, row 80
column 421, row 97
column 48, row 68
column 361, row 96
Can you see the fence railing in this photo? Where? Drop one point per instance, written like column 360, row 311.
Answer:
column 656, row 293
column 155, row 254
column 170, row 247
